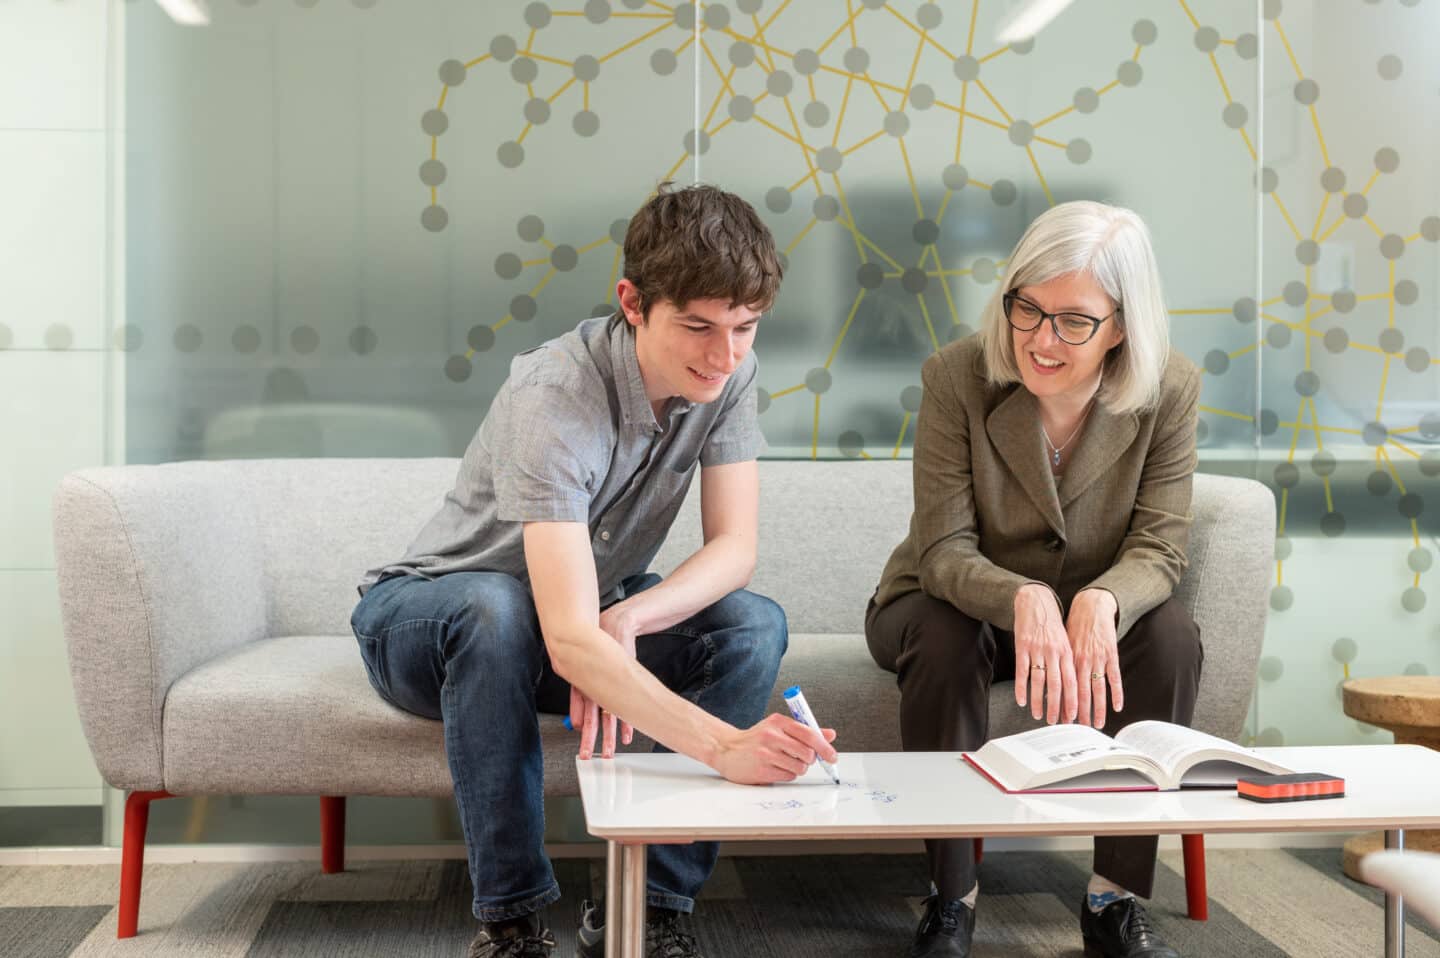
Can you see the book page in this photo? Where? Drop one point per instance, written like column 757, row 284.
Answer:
column 1217, row 773
column 1171, row 745
column 1043, row 750
column 1109, row 780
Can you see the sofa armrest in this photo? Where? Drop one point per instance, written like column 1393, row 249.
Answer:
column 159, row 570
column 1226, row 586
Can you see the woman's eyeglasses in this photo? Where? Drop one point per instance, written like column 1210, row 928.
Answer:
column 1077, row 329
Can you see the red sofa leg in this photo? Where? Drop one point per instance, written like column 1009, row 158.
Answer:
column 979, row 850
column 1196, row 898
column 132, row 858
column 332, row 834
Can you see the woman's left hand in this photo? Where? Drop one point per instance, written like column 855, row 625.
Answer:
column 1091, row 628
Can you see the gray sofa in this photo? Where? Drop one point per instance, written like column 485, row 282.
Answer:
column 206, row 610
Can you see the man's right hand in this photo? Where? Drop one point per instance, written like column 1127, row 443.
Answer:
column 1044, row 659
column 775, row 749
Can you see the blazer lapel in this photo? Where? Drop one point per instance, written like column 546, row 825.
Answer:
column 1014, row 430
column 1106, row 438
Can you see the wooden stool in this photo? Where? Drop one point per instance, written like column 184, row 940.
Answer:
column 1409, row 706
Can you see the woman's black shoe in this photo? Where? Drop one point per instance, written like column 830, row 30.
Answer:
column 1121, row 929
column 945, row 930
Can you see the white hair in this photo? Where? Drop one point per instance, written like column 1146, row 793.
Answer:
column 1112, row 246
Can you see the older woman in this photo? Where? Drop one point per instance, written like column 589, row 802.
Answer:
column 1053, row 465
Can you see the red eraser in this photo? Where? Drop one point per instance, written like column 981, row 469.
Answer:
column 1301, row 787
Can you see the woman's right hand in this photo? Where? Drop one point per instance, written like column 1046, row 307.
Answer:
column 1044, row 661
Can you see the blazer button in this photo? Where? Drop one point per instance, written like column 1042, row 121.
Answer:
column 605, row 536
column 1054, row 544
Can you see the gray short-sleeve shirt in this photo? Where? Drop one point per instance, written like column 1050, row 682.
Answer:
column 571, row 437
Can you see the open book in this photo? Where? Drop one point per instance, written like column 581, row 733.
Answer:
column 1144, row 756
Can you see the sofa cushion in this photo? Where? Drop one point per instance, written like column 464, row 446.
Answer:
column 296, row 715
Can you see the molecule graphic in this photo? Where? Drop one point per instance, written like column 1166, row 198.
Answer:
column 825, row 84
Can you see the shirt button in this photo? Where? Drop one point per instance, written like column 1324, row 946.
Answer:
column 605, row 536
column 1054, row 545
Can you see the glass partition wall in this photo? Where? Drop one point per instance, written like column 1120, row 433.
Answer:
column 343, row 219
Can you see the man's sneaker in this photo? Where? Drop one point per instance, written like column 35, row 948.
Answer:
column 663, row 937
column 945, row 929
column 590, row 936
column 522, row 937
column 1121, row 929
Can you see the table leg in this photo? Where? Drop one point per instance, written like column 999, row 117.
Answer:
column 613, row 898
column 1394, row 905
column 632, row 902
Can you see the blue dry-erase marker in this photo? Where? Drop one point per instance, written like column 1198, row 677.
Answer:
column 569, row 725
column 800, row 709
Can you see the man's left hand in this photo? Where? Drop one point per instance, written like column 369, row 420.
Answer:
column 585, row 714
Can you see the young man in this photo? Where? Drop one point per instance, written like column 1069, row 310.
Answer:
column 528, row 590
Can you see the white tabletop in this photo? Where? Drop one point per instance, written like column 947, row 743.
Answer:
column 659, row 798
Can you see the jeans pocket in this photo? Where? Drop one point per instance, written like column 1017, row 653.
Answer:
column 374, row 662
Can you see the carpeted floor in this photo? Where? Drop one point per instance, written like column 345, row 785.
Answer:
column 1263, row 903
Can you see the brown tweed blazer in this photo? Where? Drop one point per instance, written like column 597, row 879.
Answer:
column 988, row 517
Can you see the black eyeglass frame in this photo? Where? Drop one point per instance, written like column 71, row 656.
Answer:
column 1009, row 300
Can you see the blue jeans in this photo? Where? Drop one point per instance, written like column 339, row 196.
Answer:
column 466, row 649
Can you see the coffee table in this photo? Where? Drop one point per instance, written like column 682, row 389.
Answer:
column 635, row 800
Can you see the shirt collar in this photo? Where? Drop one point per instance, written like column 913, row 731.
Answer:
column 635, row 408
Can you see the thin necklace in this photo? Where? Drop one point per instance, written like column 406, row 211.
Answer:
column 1056, row 450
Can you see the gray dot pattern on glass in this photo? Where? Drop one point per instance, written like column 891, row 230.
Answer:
column 1281, row 598
column 510, row 154
column 59, row 336
column 955, row 177
column 586, row 123
column 452, row 73
column 363, row 341
column 457, row 369
column 826, row 208
column 764, row 72
column 480, row 337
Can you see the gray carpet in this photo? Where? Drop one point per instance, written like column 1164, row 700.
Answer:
column 1263, row 903
column 45, row 930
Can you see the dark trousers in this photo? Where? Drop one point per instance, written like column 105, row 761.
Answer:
column 945, row 663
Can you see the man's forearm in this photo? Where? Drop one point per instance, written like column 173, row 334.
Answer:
column 596, row 665
column 721, row 566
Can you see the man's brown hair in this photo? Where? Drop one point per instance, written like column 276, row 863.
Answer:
column 700, row 242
